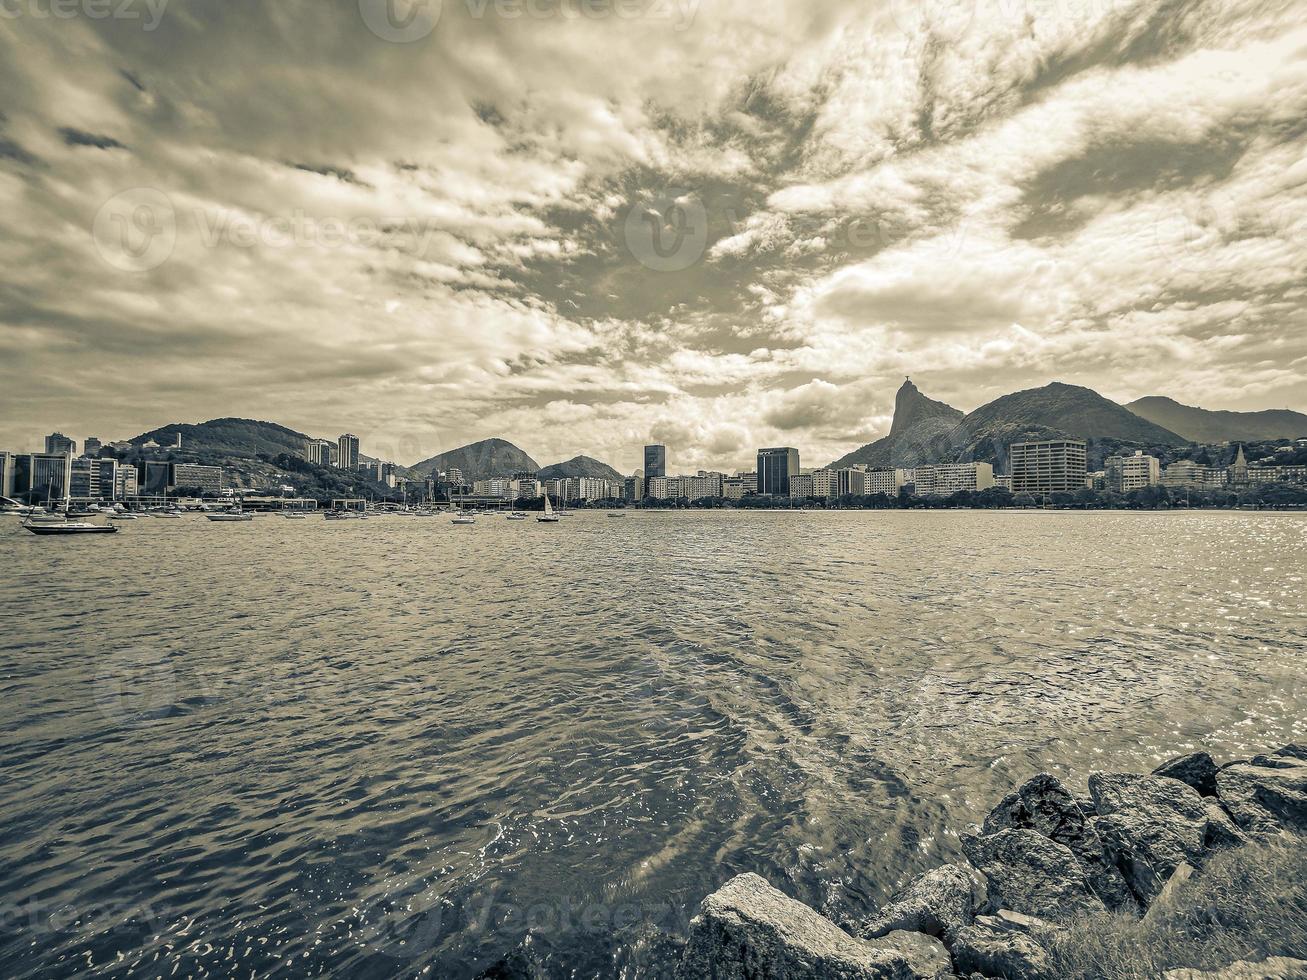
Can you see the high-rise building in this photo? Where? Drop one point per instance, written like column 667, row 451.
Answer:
column 1186, row 473
column 319, row 452
column 191, row 476
column 93, row 479
column 775, row 468
column 633, row 488
column 347, row 448
column 655, row 461
column 42, row 476
column 7, row 475
column 1126, row 473
column 943, row 479
column 1053, row 466
column 92, row 446
column 801, row 485
column 57, row 442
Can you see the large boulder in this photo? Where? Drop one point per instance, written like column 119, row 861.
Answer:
column 1043, row 804
column 1150, row 826
column 989, row 949
column 1293, row 750
column 1197, row 769
column 926, row 956
column 1275, row 968
column 937, row 903
column 1266, row 799
column 1031, row 874
column 747, row 929
column 1222, row 832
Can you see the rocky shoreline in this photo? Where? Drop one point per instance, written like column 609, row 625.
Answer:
column 1042, row 862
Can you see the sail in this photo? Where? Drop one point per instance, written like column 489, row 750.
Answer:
column 549, row 508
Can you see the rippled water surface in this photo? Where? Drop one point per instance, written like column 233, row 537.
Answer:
column 300, row 748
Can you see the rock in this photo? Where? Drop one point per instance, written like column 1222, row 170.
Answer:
column 995, row 952
column 1029, row 873
column 1222, row 832
column 1150, row 825
column 1042, row 804
column 1293, row 750
column 523, row 962
column 748, row 929
column 1196, row 769
column 925, row 955
column 1029, row 925
column 1265, row 799
column 1276, row 761
column 1275, row 968
column 937, row 903
column 1166, row 898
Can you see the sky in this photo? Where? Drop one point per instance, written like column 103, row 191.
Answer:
column 584, row 225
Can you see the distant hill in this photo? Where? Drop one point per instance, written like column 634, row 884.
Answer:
column 579, row 466
column 1203, row 425
column 1055, row 410
column 480, row 461
column 235, row 437
column 920, row 424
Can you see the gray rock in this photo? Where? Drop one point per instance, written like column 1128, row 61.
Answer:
column 1265, row 799
column 1150, row 825
column 925, row 955
column 1031, row 874
column 1167, row 898
column 747, row 929
column 1197, row 769
column 1222, row 832
column 1042, row 804
column 995, row 952
column 1029, row 925
column 1275, row 968
column 1276, row 761
column 1293, row 750
column 937, row 903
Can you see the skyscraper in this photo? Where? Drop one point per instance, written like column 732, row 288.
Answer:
column 92, row 446
column 1056, row 466
column 655, row 461
column 319, row 452
column 775, row 467
column 57, row 442
column 348, row 449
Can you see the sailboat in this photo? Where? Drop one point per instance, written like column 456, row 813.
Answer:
column 548, row 517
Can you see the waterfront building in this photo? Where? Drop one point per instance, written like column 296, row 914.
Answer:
column 886, row 481
column 207, row 479
column 801, row 485
column 1126, row 473
column 1050, row 466
column 776, row 467
column 92, row 446
column 42, row 476
column 526, row 489
column 655, row 461
column 125, row 483
column 849, row 482
column 1003, row 481
column 656, row 487
column 633, row 488
column 824, row 483
column 944, row 479
column 1186, row 474
column 347, row 452
column 6, row 475
column 93, row 479
column 705, row 484
column 56, row 444
column 733, row 488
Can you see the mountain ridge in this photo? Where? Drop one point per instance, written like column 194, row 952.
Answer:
column 579, row 466
column 483, row 460
column 1214, row 425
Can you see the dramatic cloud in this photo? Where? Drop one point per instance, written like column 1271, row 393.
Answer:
column 581, row 226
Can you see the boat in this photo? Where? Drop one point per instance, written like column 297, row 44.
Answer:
column 231, row 515
column 165, row 513
column 292, row 516
column 517, row 515
column 548, row 517
column 45, row 517
column 70, row 527
column 617, row 513
column 343, row 515
column 460, row 518
column 125, row 516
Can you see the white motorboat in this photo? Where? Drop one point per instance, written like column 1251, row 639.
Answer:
column 124, row 516
column 548, row 517
column 69, row 527
column 292, row 515
column 171, row 514
column 231, row 516
column 517, row 515
column 463, row 519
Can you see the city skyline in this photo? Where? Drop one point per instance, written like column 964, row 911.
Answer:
column 1095, row 193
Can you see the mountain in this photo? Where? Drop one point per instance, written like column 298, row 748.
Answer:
column 234, row 437
column 579, row 466
column 1202, row 425
column 1055, row 411
column 920, row 423
column 480, row 461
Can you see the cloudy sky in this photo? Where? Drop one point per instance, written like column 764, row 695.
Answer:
column 585, row 225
